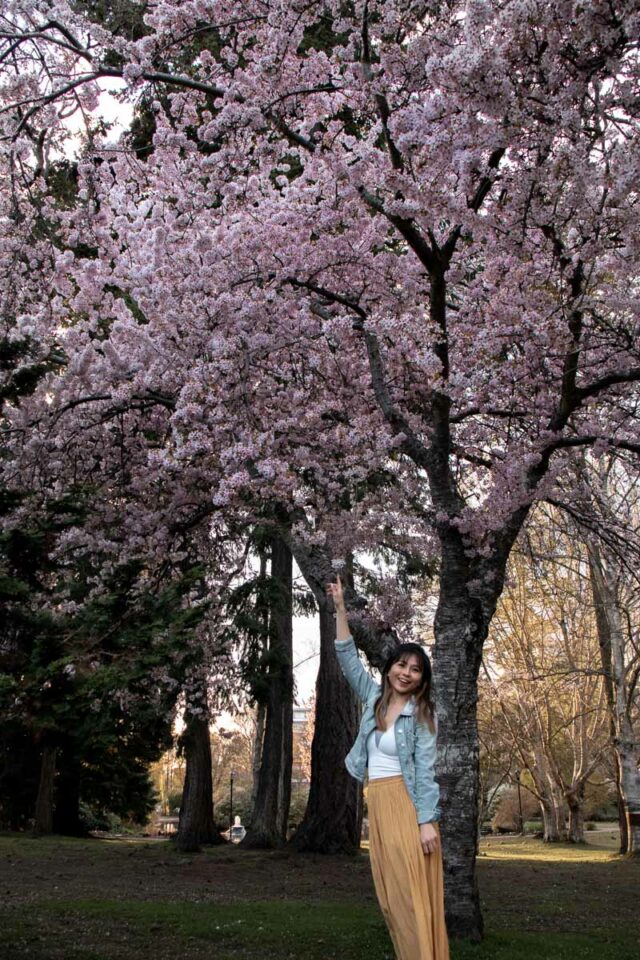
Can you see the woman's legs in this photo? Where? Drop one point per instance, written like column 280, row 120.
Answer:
column 408, row 883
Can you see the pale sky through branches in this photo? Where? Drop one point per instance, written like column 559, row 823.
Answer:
column 305, row 629
column 113, row 110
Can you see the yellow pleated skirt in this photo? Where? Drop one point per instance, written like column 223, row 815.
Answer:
column 408, row 882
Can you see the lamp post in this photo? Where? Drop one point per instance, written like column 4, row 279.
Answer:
column 231, row 776
column 518, row 772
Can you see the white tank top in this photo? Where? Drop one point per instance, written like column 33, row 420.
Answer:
column 382, row 754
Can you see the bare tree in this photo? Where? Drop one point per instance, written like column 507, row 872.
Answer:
column 540, row 661
column 621, row 664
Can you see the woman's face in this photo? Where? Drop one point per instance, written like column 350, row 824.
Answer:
column 405, row 675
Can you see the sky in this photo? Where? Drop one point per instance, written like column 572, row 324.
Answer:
column 306, row 656
column 112, row 110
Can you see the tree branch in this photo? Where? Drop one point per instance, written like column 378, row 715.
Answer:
column 610, row 380
column 411, row 444
column 294, row 138
column 487, row 181
column 588, row 439
column 488, row 412
column 397, row 161
column 406, row 228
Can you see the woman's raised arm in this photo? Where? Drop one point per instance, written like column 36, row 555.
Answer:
column 334, row 590
column 350, row 663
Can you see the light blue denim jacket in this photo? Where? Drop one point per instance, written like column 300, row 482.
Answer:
column 416, row 743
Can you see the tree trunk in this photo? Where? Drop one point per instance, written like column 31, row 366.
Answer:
column 612, row 649
column 256, row 756
column 196, row 825
column 631, row 791
column 604, row 642
column 575, row 802
column 553, row 818
column 605, row 656
column 333, row 818
column 551, row 822
column 550, row 808
column 268, row 827
column 460, row 632
column 44, row 802
column 66, row 819
column 623, row 849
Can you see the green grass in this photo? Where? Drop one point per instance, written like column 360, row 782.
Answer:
column 273, row 931
column 270, row 929
column 596, row 945
column 91, row 900
column 266, row 930
column 601, row 849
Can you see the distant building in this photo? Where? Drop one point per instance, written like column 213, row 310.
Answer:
column 166, row 826
column 300, row 718
column 301, row 747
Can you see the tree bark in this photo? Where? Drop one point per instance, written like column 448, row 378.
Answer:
column 44, row 801
column 333, row 818
column 604, row 642
column 66, row 819
column 196, row 825
column 268, row 827
column 626, row 743
column 460, row 631
column 575, row 802
column 256, row 756
column 546, row 792
column 553, row 825
column 623, row 848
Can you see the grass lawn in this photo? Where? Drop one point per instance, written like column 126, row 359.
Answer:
column 63, row 899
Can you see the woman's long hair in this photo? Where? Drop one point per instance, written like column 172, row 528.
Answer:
column 425, row 711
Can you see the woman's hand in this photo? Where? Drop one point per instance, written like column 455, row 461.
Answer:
column 334, row 590
column 428, row 837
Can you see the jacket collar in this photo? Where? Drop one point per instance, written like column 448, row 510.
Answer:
column 407, row 711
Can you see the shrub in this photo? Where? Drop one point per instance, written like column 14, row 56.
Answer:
column 507, row 811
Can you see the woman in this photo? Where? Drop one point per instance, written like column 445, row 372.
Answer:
column 397, row 744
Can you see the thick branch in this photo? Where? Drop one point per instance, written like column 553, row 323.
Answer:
column 406, row 228
column 294, row 138
column 487, row 181
column 489, row 412
column 610, row 380
column 588, row 439
column 411, row 444
column 316, row 564
column 148, row 397
column 153, row 76
column 330, row 295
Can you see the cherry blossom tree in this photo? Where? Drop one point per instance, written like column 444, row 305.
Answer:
column 388, row 239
